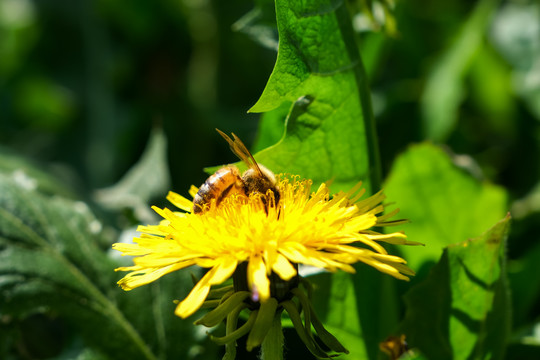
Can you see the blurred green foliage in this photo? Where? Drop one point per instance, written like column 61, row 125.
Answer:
column 84, row 83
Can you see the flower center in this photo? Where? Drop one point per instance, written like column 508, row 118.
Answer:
column 279, row 289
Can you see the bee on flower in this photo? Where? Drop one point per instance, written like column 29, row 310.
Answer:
column 256, row 228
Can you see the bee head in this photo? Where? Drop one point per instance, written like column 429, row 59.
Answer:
column 260, row 182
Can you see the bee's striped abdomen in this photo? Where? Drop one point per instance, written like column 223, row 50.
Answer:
column 223, row 182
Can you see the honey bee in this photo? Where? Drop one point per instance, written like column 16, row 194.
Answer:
column 394, row 346
column 228, row 181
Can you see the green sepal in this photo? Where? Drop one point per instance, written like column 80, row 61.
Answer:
column 232, row 321
column 210, row 304
column 326, row 337
column 265, row 317
column 238, row 333
column 221, row 293
column 306, row 338
column 272, row 346
column 217, row 315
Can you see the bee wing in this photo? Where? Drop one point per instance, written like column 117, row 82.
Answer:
column 238, row 147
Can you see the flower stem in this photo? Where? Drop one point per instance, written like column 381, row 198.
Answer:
column 272, row 346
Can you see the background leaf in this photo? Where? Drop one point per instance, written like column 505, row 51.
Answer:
column 444, row 89
column 50, row 258
column 461, row 310
column 260, row 24
column 524, row 291
column 525, row 343
column 333, row 293
column 516, row 33
column 444, row 202
column 83, row 109
column 29, row 175
column 52, row 263
column 148, row 179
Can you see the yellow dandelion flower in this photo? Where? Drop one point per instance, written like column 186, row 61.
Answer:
column 304, row 227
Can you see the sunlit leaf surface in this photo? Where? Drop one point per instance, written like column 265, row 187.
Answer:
column 318, row 68
column 444, row 203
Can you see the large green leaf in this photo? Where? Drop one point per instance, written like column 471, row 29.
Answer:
column 271, row 127
column 51, row 262
column 444, row 203
column 328, row 134
column 50, row 258
column 461, row 311
column 329, row 131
